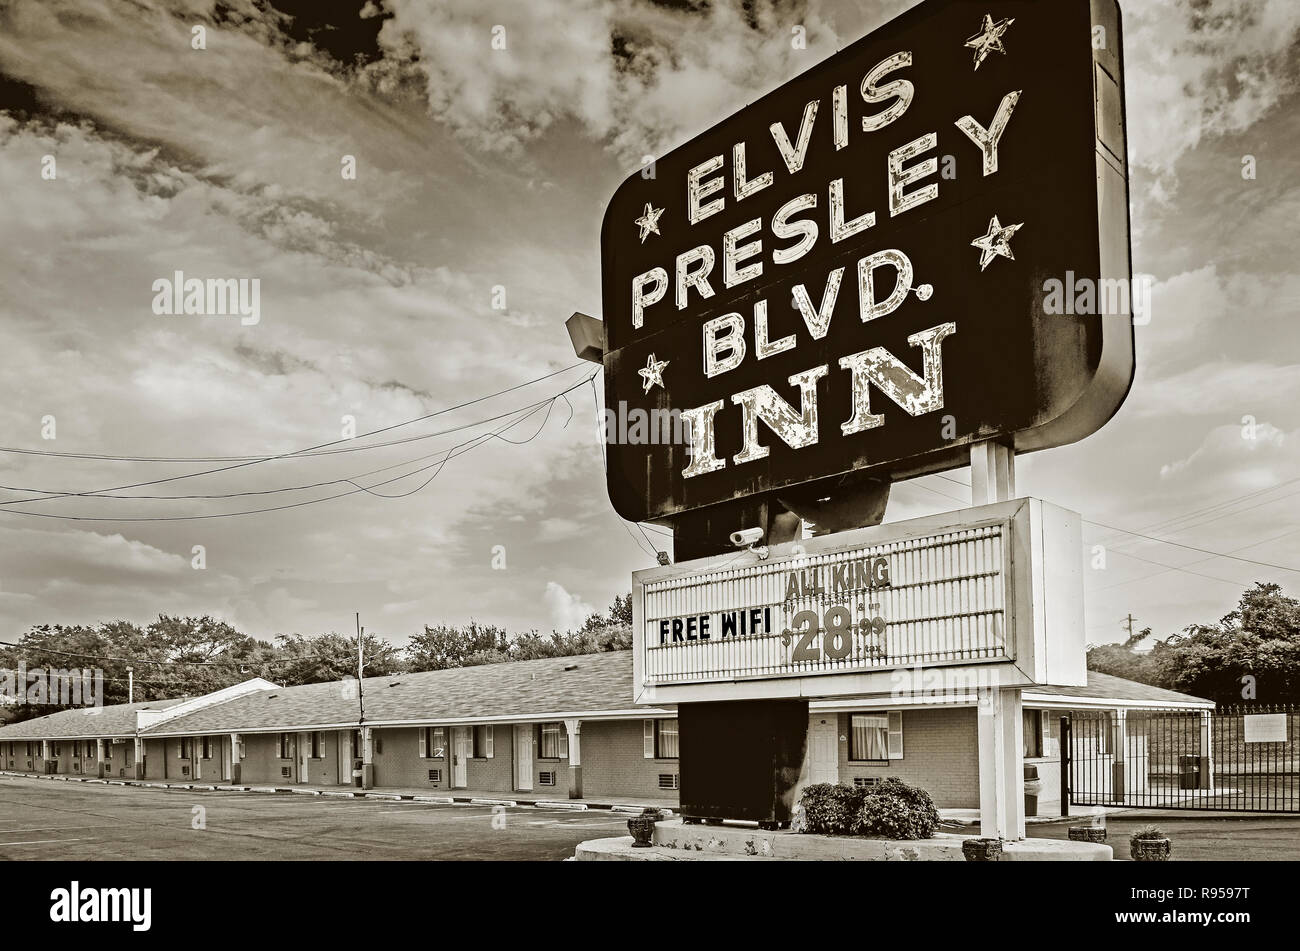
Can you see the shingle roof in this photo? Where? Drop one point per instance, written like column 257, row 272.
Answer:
column 80, row 722
column 588, row 683
column 1108, row 687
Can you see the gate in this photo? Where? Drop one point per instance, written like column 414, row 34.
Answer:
column 1237, row 759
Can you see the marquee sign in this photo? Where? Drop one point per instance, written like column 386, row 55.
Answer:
column 851, row 273
column 842, row 614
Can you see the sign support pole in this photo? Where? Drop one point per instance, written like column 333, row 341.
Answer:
column 999, row 712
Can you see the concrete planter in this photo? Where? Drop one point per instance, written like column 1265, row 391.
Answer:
column 1087, row 834
column 1149, row 850
column 642, row 828
column 981, row 850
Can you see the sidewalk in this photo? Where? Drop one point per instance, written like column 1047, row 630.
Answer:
column 971, row 817
column 409, row 793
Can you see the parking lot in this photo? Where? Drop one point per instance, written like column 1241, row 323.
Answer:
column 43, row 820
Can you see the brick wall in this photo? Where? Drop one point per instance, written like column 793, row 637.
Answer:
column 614, row 764
column 940, row 754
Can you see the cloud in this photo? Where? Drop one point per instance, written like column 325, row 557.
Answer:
column 637, row 76
column 1197, row 69
column 567, row 611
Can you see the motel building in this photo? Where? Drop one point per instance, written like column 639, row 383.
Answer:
column 550, row 728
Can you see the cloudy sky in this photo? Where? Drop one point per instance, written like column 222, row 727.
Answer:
column 444, row 270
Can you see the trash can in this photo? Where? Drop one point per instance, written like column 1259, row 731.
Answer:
column 1033, row 786
column 1189, row 772
column 356, row 773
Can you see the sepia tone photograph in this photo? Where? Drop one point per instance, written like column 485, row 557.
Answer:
column 655, row 431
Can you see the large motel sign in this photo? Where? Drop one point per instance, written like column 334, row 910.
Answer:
column 854, row 280
column 849, row 275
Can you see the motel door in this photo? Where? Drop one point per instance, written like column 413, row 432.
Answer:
column 823, row 749
column 345, row 757
column 226, row 742
column 523, row 757
column 459, row 757
column 304, row 756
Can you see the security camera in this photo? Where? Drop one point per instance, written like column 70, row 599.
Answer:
column 746, row 537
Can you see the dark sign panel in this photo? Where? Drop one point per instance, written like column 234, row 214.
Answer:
column 864, row 269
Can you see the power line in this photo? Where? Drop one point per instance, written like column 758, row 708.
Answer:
column 109, row 457
column 458, row 450
column 288, row 455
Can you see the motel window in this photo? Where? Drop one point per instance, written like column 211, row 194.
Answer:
column 483, row 742
column 875, row 737
column 433, row 742
column 318, row 746
column 108, row 749
column 377, row 738
column 357, row 751
column 553, row 741
column 1033, row 730
column 207, row 747
column 185, row 749
column 666, row 739
column 286, row 746
column 54, row 749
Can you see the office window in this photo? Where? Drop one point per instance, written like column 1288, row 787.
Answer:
column 666, row 739
column 553, row 741
column 286, row 746
column 1033, row 730
column 483, row 742
column 869, row 737
column 435, row 742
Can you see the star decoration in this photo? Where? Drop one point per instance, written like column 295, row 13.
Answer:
column 652, row 373
column 989, row 38
column 997, row 243
column 649, row 221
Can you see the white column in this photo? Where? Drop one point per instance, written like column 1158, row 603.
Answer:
column 99, row 755
column 992, row 473
column 1001, row 763
column 1000, row 717
column 139, row 756
column 574, row 729
column 235, row 768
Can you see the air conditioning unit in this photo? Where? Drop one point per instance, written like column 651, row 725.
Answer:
column 185, row 770
column 546, row 778
column 863, row 782
column 668, row 781
column 76, row 766
column 284, row 771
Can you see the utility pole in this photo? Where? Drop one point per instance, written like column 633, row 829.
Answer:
column 130, row 685
column 1128, row 625
column 361, row 668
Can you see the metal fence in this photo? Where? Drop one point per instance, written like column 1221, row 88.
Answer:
column 1239, row 758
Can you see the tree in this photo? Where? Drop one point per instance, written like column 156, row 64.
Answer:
column 1252, row 653
column 322, row 658
column 441, row 647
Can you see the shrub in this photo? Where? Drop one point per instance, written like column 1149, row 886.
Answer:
column 831, row 808
column 1148, row 832
column 891, row 809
